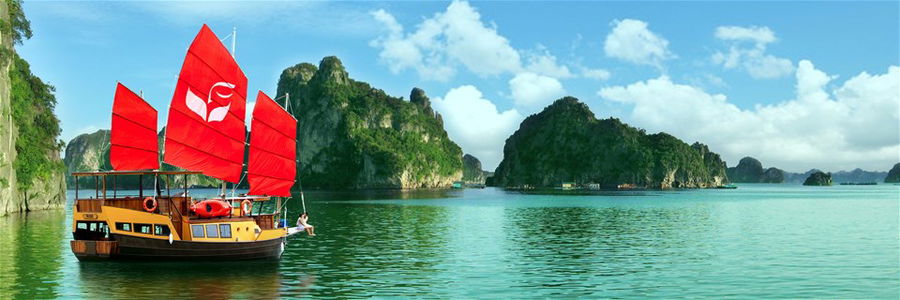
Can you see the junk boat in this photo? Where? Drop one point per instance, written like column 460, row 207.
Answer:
column 205, row 134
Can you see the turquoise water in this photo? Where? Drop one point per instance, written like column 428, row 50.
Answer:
column 759, row 241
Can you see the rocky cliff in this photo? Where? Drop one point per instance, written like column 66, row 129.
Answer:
column 84, row 153
column 352, row 135
column 566, row 143
column 818, row 179
column 772, row 175
column 748, row 170
column 893, row 176
column 472, row 172
column 31, row 173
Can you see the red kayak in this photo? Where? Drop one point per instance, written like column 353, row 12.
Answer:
column 211, row 208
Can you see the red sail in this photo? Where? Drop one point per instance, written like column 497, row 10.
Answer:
column 133, row 144
column 205, row 131
column 272, row 165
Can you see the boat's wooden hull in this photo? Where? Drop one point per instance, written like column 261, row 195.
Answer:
column 150, row 249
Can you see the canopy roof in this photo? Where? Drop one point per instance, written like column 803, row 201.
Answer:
column 117, row 173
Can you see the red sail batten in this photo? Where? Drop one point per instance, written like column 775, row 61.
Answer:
column 133, row 142
column 272, row 165
column 205, row 131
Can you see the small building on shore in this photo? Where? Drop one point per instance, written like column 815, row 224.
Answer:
column 567, row 185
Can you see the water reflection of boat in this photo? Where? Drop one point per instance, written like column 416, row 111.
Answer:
column 205, row 133
column 228, row 280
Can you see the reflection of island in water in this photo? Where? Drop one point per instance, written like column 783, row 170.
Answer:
column 215, row 280
column 600, row 243
column 380, row 194
column 31, row 254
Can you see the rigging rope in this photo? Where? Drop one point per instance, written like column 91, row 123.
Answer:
column 302, row 199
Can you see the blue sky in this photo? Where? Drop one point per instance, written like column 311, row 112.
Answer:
column 798, row 85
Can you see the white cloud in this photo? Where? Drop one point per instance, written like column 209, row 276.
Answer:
column 545, row 63
column 596, row 74
column 767, row 66
column 531, row 91
column 475, row 123
column 630, row 40
column 752, row 59
column 478, row 47
column 854, row 125
column 706, row 80
column 455, row 36
column 401, row 53
column 452, row 38
column 762, row 35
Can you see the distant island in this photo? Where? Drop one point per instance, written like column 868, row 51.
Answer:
column 818, row 179
column 750, row 170
column 565, row 143
column 354, row 136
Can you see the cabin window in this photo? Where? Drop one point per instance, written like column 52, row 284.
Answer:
column 212, row 231
column 123, row 226
column 225, row 230
column 197, row 231
column 92, row 226
column 161, row 229
column 143, row 228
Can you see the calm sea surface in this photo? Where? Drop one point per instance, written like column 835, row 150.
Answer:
column 759, row 241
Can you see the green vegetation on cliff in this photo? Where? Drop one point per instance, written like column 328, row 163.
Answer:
column 37, row 147
column 14, row 26
column 355, row 136
column 566, row 143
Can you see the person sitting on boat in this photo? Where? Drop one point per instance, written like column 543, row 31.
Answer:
column 301, row 222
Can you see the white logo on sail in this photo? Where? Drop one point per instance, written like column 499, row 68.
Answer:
column 199, row 107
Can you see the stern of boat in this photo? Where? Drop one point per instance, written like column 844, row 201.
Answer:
column 94, row 250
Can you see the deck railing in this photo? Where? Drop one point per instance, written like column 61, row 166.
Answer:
column 167, row 205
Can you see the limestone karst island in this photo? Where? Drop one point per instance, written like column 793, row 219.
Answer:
column 455, row 149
